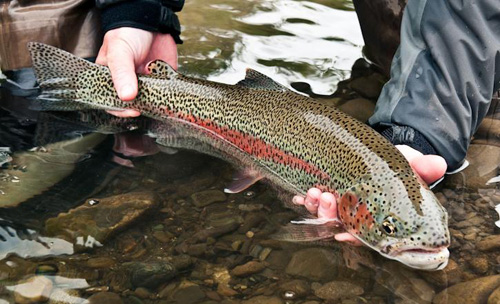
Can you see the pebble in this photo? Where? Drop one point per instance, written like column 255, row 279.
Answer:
column 338, row 289
column 163, row 236
column 316, row 264
column 142, row 293
column 150, row 275
column 489, row 243
column 474, row 291
column 207, row 197
column 32, row 290
column 105, row 297
column 263, row 300
column 494, row 298
column 88, row 226
column 297, row 288
column 189, row 294
column 479, row 265
column 100, row 262
column 247, row 269
column 450, row 275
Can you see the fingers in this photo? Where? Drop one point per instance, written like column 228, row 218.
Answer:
column 125, row 113
column 429, row 167
column 120, row 59
column 327, row 206
column 346, row 237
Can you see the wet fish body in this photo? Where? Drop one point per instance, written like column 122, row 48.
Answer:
column 291, row 140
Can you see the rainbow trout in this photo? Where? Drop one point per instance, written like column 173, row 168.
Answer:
column 291, row 140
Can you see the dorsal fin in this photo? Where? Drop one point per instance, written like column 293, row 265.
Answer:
column 257, row 80
column 161, row 69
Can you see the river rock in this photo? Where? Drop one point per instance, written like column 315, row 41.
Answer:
column 489, row 243
column 248, row 269
column 95, row 221
column 105, row 297
column 475, row 291
column 479, row 265
column 296, row 289
column 494, row 298
column 33, row 290
column 188, row 295
column 484, row 160
column 207, row 197
column 450, row 275
column 316, row 264
column 263, row 300
column 337, row 290
column 150, row 275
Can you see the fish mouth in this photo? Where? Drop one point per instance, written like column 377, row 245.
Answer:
column 422, row 258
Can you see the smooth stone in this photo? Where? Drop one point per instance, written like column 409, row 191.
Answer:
column 474, row 291
column 150, row 275
column 450, row 275
column 33, row 290
column 489, row 243
column 494, row 298
column 189, row 294
column 263, row 300
column 100, row 262
column 91, row 225
column 142, row 293
column 479, row 265
column 207, row 197
column 338, row 289
column 105, row 297
column 484, row 160
column 248, row 269
column 316, row 264
column 299, row 288
column 163, row 236
column 68, row 296
column 359, row 108
column 368, row 86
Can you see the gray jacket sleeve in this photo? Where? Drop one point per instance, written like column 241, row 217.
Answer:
column 443, row 74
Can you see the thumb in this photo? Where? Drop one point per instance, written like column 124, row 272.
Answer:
column 122, row 66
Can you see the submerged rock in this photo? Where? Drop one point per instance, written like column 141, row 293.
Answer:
column 315, row 264
column 93, row 223
column 150, row 275
column 337, row 290
column 33, row 290
column 475, row 291
column 105, row 297
column 489, row 243
column 207, row 197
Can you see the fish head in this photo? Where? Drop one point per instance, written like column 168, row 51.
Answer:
column 407, row 224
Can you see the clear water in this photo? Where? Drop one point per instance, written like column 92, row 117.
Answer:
column 189, row 244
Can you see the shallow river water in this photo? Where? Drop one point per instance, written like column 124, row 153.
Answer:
column 84, row 219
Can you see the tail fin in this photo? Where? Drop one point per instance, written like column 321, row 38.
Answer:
column 57, row 72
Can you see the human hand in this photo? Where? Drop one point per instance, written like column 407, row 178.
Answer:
column 324, row 205
column 127, row 50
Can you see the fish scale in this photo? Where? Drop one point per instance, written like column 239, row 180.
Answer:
column 292, row 140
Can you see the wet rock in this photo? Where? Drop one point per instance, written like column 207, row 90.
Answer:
column 494, row 298
column 207, row 197
column 475, row 291
column 263, row 300
column 248, row 269
column 450, row 275
column 484, row 160
column 92, row 224
column 105, row 297
column 62, row 296
column 100, row 262
column 142, row 293
column 295, row 289
column 489, row 243
column 479, row 265
column 150, row 275
column 163, row 236
column 369, row 86
column 33, row 290
column 189, row 294
column 338, row 289
column 359, row 108
column 315, row 264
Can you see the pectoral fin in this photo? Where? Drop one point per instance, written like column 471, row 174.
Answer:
column 243, row 180
column 308, row 233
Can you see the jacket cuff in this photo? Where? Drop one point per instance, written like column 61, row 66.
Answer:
column 404, row 135
column 147, row 15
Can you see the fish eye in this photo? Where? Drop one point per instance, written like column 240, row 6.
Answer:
column 388, row 227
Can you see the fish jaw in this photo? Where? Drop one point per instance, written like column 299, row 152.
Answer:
column 432, row 259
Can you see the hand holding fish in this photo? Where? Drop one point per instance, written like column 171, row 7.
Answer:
column 324, row 204
column 128, row 50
